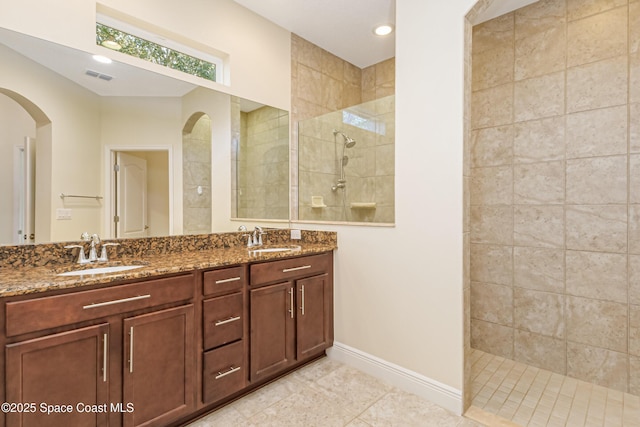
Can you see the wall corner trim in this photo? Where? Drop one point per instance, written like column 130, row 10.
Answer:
column 405, row 379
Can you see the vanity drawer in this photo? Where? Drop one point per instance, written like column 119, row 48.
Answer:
column 223, row 372
column 59, row 310
column 218, row 282
column 223, row 320
column 278, row 271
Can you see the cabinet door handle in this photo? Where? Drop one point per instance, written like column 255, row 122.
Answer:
column 115, row 301
column 131, row 350
column 225, row 321
column 231, row 370
column 105, row 352
column 302, row 267
column 231, row 279
column 291, row 302
column 302, row 299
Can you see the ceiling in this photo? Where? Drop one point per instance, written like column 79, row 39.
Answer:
column 342, row 27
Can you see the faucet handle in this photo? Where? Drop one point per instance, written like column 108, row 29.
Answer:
column 104, row 257
column 82, row 258
column 249, row 240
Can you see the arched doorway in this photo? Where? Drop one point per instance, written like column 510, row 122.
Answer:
column 196, row 181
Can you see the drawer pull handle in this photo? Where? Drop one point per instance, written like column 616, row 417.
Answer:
column 291, row 302
column 302, row 307
column 115, row 301
column 131, row 350
column 231, row 279
column 229, row 320
column 304, row 267
column 228, row 372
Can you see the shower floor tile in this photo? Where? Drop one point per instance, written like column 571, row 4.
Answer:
column 508, row 393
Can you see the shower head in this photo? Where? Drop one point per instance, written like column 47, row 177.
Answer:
column 348, row 141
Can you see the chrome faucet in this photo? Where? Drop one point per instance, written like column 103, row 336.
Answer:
column 104, row 257
column 257, row 236
column 93, row 254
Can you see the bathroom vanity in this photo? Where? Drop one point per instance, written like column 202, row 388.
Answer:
column 165, row 343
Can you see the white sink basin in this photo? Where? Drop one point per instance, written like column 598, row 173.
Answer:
column 268, row 249
column 100, row 270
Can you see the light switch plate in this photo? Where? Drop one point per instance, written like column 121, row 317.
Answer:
column 296, row 235
column 63, row 214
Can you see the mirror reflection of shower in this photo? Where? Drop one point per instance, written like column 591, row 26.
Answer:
column 344, row 159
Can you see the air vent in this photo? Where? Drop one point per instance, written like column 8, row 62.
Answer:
column 98, row 75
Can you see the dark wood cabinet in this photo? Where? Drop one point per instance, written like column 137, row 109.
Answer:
column 160, row 371
column 272, row 329
column 157, row 351
column 291, row 321
column 56, row 373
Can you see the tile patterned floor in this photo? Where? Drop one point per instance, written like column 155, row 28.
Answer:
column 327, row 393
column 526, row 396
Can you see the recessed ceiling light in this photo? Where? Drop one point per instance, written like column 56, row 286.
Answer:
column 383, row 30
column 102, row 59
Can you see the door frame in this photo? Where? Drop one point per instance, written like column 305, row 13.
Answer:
column 109, row 182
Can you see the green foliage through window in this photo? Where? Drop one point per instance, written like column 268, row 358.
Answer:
column 152, row 52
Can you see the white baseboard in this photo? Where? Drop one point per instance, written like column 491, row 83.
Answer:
column 432, row 390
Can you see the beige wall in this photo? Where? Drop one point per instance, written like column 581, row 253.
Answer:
column 72, row 155
column 553, row 190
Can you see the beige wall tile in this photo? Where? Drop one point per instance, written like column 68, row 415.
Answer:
column 495, row 33
column 597, row 37
column 539, row 226
column 634, row 330
column 634, row 128
column 597, row 275
column 634, row 229
column 541, row 351
column 539, row 312
column 597, row 85
column 540, row 53
column 492, row 146
column 539, row 17
column 492, row 303
column 492, row 107
column 598, row 323
column 597, row 180
column 597, row 228
column 634, row 375
column 577, row 9
column 539, row 183
column 539, row 140
column 634, row 178
column 597, row 132
column 634, row 77
column 492, row 185
column 492, row 68
column 634, row 279
column 634, row 27
column 492, row 264
column 597, row 365
column 539, row 97
column 539, row 269
column 492, row 338
column 492, row 224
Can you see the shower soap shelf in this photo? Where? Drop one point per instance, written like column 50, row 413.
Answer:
column 363, row 205
column 317, row 202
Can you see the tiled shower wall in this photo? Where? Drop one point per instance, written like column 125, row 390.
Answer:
column 322, row 83
column 555, row 189
column 196, row 166
column 262, row 163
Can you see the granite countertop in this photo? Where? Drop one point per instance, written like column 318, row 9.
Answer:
column 29, row 280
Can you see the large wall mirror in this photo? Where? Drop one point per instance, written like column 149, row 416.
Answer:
column 65, row 120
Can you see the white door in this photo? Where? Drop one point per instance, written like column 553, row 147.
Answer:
column 131, row 196
column 24, row 192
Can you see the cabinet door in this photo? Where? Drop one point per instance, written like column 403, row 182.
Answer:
column 68, row 368
column 160, row 366
column 314, row 301
column 272, row 329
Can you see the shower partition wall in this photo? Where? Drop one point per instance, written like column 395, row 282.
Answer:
column 346, row 164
